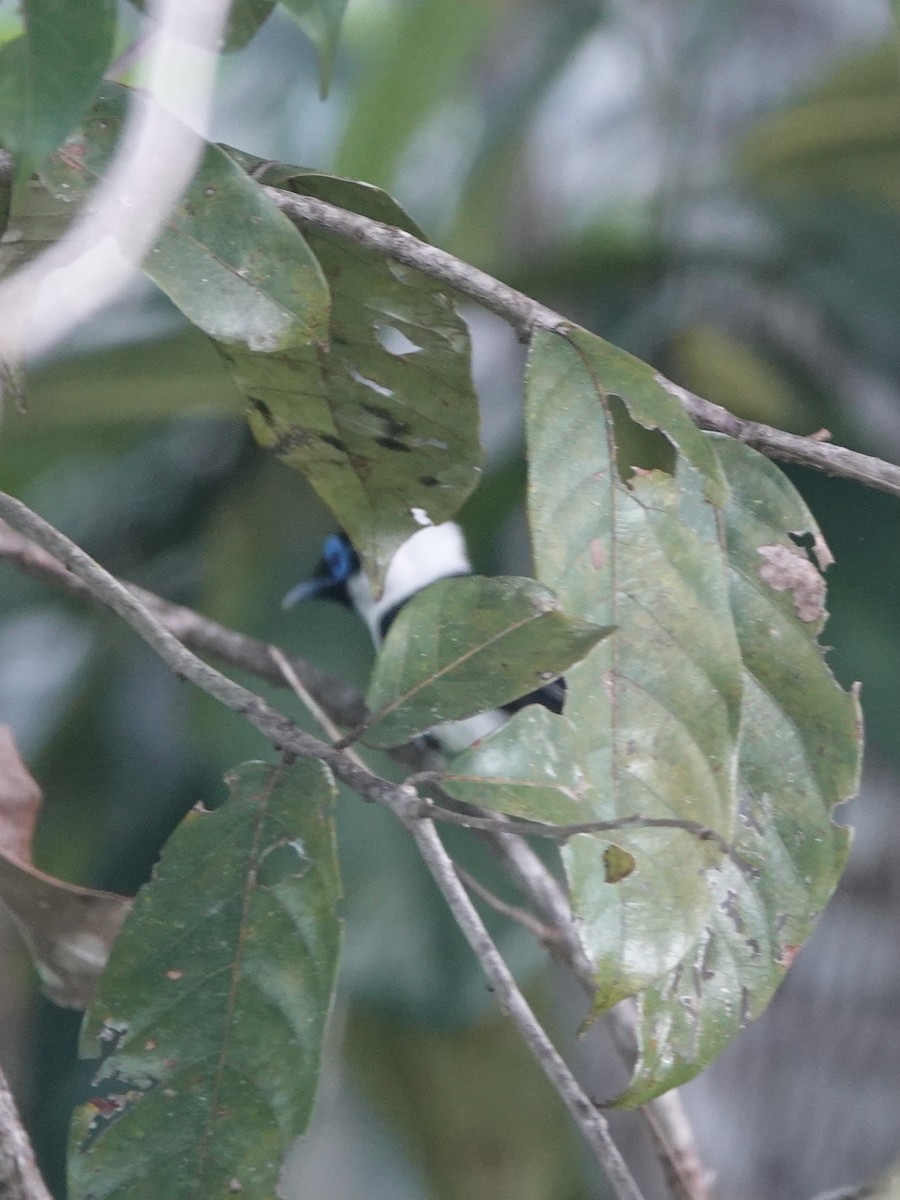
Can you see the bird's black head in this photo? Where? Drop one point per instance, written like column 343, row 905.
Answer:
column 339, row 563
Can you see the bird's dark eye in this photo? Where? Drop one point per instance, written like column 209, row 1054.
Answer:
column 340, row 558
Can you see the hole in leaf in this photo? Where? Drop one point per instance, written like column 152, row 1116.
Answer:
column 378, row 388
column 394, row 340
column 285, row 861
column 637, row 448
column 814, row 544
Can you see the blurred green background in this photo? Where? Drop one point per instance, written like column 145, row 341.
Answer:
column 713, row 185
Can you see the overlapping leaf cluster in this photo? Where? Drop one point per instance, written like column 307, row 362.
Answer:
column 710, row 704
column 675, row 597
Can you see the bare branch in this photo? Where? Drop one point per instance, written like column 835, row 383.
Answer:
column 526, row 315
column 19, row 1177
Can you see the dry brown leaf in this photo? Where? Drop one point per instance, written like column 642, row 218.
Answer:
column 69, row 930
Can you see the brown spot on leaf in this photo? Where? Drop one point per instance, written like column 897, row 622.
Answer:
column 597, row 553
column 786, row 570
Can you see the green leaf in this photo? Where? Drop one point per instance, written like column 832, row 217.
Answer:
column 651, row 400
column 320, row 20
column 384, row 422
column 211, row 1013
column 235, row 266
column 465, row 646
column 47, row 76
column 419, row 64
column 654, row 709
column 528, row 767
column 799, row 756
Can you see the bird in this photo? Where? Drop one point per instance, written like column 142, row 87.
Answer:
column 432, row 553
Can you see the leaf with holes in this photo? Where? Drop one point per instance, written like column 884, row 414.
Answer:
column 799, row 756
column 211, row 1014
column 463, row 646
column 652, row 713
column 384, row 421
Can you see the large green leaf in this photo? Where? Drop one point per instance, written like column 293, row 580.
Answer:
column 464, row 646
column 653, row 711
column 799, row 756
column 235, row 266
column 211, row 1013
column 384, row 422
column 47, row 76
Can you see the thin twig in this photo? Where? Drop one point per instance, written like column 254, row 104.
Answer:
column 312, row 706
column 492, row 824
column 400, row 799
column 526, row 315
column 20, row 1178
column 545, row 934
column 592, row 1123
column 344, row 703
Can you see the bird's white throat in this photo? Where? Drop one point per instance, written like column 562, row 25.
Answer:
column 430, row 554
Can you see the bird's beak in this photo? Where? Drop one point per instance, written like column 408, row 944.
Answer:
column 317, row 586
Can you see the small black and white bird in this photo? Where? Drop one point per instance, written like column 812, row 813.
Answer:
column 433, row 553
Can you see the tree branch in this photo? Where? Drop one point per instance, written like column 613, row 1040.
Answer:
column 526, row 315
column 401, row 799
column 344, row 702
column 19, row 1177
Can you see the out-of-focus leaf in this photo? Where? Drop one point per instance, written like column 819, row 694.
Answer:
column 69, row 930
column 799, row 756
column 212, row 1011
column 320, row 20
column 469, row 1103
column 423, row 47
column 728, row 371
column 384, row 423
column 464, row 646
column 654, row 709
column 843, row 139
column 244, row 18
column 47, row 76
